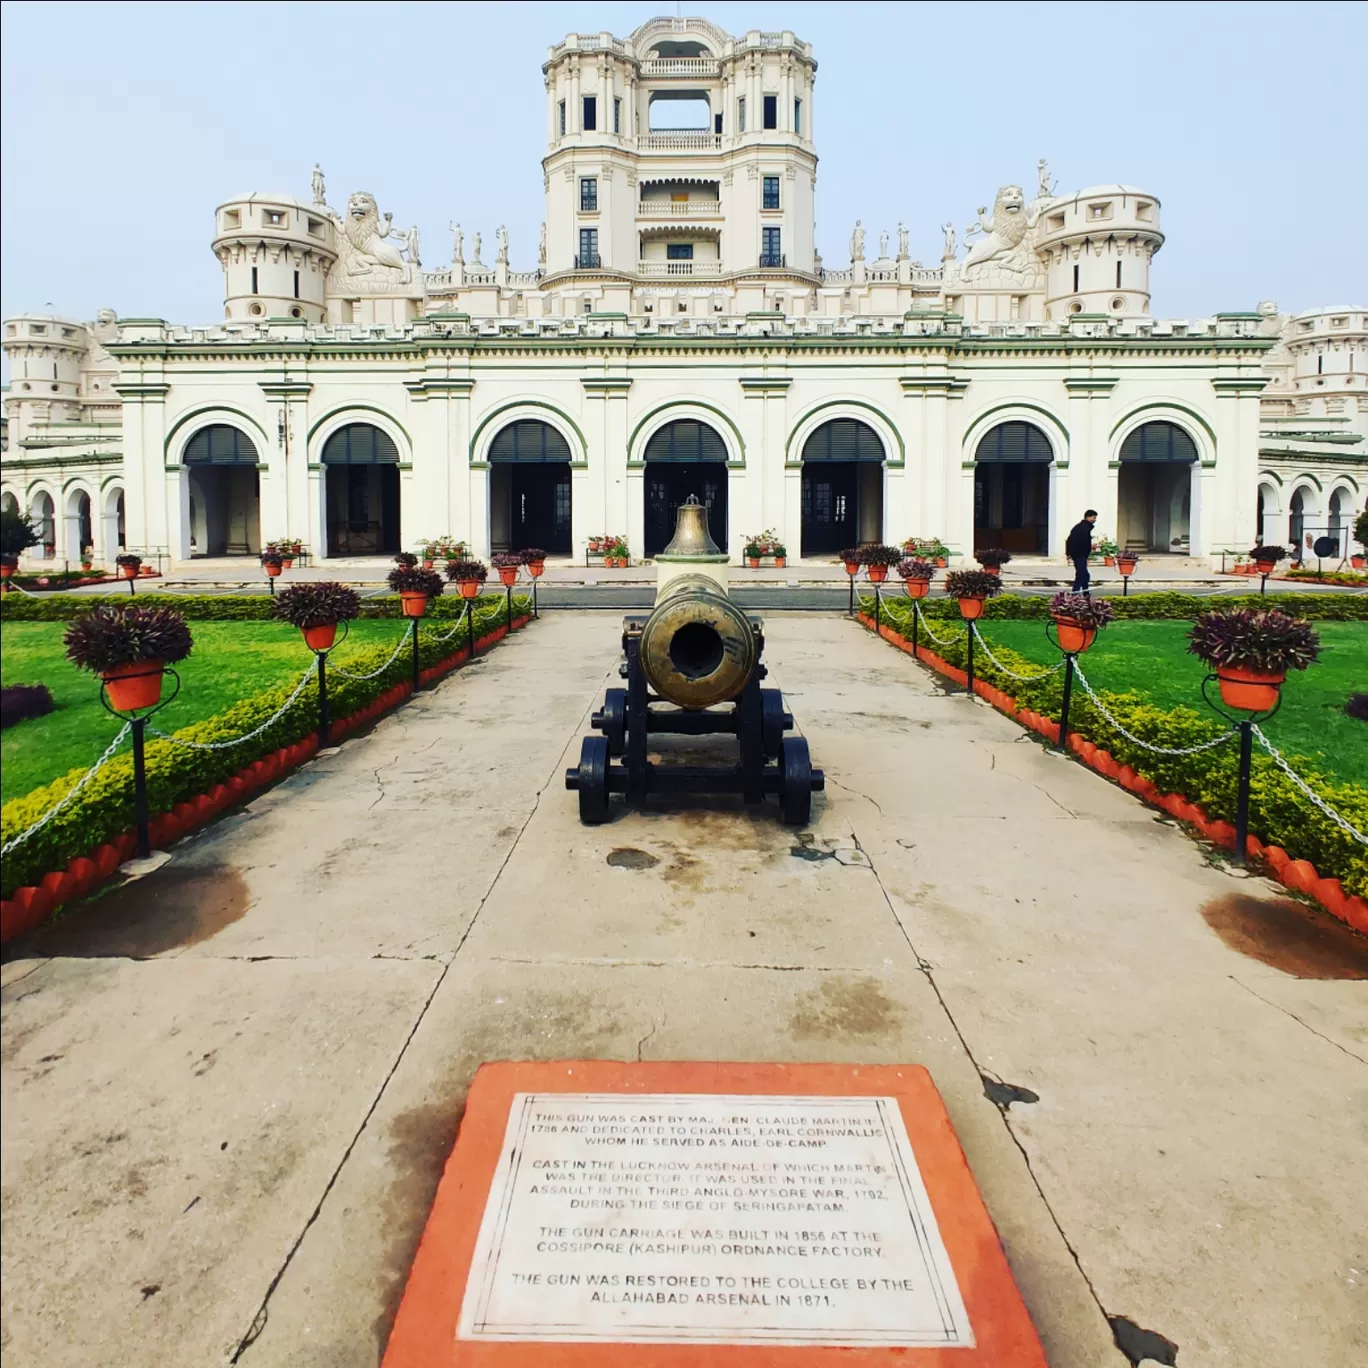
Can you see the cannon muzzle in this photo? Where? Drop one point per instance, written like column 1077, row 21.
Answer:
column 697, row 647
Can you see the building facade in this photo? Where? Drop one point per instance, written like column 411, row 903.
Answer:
column 681, row 335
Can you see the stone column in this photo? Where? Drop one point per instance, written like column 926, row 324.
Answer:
column 756, row 491
column 1229, row 481
column 284, row 489
column 1087, row 480
column 607, row 494
column 156, row 506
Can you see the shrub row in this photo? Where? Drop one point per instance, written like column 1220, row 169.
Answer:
column 104, row 808
column 1016, row 607
column 209, row 607
column 1278, row 814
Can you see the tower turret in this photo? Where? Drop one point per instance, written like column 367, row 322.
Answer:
column 276, row 252
column 1097, row 246
column 45, row 355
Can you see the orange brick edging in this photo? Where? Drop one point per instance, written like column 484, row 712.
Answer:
column 27, row 906
column 1299, row 875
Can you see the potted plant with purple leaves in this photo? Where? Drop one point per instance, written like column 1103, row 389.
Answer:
column 916, row 575
column 316, row 609
column 993, row 558
column 467, row 575
column 129, row 648
column 128, row 565
column 414, row 585
column 852, row 558
column 973, row 588
column 507, row 563
column 535, row 559
column 1266, row 558
column 1250, row 650
column 1078, row 618
column 878, row 559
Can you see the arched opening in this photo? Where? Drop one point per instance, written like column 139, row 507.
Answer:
column 80, row 532
column 115, row 539
column 1296, row 523
column 1337, row 508
column 8, row 502
column 842, row 499
column 43, row 513
column 362, row 465
column 225, row 492
column 1012, row 489
column 1266, row 529
column 529, row 489
column 1154, row 489
column 685, row 457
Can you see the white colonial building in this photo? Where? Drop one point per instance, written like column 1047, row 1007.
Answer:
column 680, row 334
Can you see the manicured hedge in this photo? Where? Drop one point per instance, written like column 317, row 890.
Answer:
column 1015, row 607
column 1278, row 814
column 104, row 808
column 211, row 607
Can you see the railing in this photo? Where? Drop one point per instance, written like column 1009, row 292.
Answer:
column 679, row 209
column 682, row 140
column 772, row 260
column 707, row 269
column 680, row 66
column 588, row 263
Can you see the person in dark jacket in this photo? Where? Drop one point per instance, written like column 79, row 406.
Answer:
column 1078, row 548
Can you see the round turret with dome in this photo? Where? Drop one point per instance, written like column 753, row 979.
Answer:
column 276, row 252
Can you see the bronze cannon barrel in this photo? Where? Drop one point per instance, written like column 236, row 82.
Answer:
column 697, row 647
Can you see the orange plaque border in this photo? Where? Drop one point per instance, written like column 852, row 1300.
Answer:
column 424, row 1334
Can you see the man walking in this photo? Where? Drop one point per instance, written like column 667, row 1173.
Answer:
column 1078, row 548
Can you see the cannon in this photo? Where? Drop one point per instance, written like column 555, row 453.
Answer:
column 693, row 668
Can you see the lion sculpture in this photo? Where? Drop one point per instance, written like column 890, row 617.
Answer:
column 364, row 240
column 1004, row 243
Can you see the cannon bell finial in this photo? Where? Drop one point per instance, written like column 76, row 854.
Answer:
column 691, row 536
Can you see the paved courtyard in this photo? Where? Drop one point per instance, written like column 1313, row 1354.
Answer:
column 229, row 1088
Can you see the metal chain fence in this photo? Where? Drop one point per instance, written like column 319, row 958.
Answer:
column 249, row 736
column 1145, row 745
column 1306, row 790
column 1025, row 679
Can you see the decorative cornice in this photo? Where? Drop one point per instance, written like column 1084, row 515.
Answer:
column 142, row 391
column 1232, row 387
column 285, row 389
column 432, row 387
column 1091, row 386
column 765, row 384
column 601, row 386
column 946, row 386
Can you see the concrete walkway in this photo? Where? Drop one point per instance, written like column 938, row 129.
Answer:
column 228, row 1089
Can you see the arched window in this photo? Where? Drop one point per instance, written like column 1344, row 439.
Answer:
column 1014, row 442
column 530, row 440
column 1159, row 442
column 360, row 444
column 685, row 457
column 686, row 439
column 220, row 444
column 529, row 488
column 43, row 513
column 844, row 439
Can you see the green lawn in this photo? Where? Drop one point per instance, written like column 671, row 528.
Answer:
column 1151, row 658
column 231, row 661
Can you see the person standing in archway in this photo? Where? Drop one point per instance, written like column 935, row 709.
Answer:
column 1078, row 548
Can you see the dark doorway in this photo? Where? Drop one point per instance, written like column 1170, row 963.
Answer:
column 529, row 489
column 362, row 493
column 1012, row 489
column 1154, row 489
column 225, row 492
column 842, row 487
column 685, row 457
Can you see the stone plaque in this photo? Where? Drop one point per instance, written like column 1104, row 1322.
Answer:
column 710, row 1219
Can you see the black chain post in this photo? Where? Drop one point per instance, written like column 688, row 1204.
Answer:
column 139, row 726
column 322, row 700
column 916, row 620
column 970, row 671
column 878, row 614
column 1242, row 799
column 852, row 595
column 508, row 606
column 1069, row 659
column 415, row 622
column 470, row 626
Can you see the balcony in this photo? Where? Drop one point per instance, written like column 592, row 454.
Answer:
column 593, row 262
column 772, row 261
column 678, row 209
column 698, row 270
column 682, row 139
column 681, row 68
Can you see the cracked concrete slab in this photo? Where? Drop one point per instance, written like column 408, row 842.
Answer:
column 1159, row 1112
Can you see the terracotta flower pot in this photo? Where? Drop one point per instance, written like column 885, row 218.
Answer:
column 942, row 562
column 852, row 568
column 993, row 570
column 320, row 638
column 1248, row 689
column 288, row 563
column 780, row 562
column 414, row 604
column 508, row 574
column 1108, row 560
column 971, row 608
column 273, row 569
column 878, row 573
column 128, row 571
column 1126, row 567
column 1265, row 567
column 469, row 588
column 134, row 686
column 6, row 570
column 1357, row 562
column 536, row 568
column 916, row 588
column 1073, row 636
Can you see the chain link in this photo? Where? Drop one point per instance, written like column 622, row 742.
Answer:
column 70, row 793
column 1130, row 736
column 1025, row 679
column 921, row 617
column 238, row 740
column 1306, row 790
column 403, row 641
column 460, row 622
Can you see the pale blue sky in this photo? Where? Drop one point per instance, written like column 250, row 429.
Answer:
column 125, row 124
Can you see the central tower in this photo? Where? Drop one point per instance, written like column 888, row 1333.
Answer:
column 680, row 158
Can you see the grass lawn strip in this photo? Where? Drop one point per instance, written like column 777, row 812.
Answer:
column 231, row 661
column 1151, row 658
